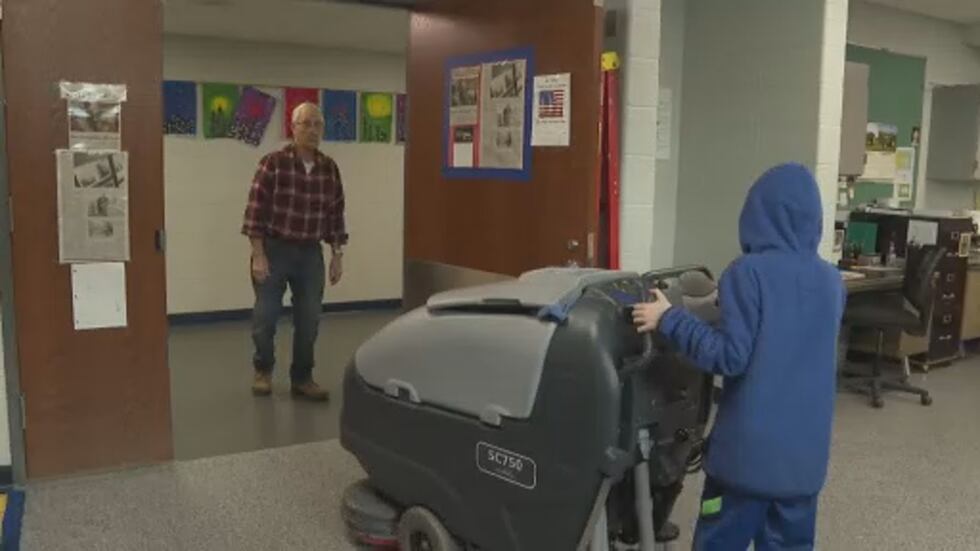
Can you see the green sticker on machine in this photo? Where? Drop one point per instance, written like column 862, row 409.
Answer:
column 711, row 507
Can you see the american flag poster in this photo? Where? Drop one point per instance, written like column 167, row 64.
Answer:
column 552, row 117
column 552, row 104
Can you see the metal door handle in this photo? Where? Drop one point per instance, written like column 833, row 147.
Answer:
column 160, row 240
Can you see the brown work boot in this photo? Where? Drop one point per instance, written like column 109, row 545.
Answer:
column 262, row 386
column 311, row 391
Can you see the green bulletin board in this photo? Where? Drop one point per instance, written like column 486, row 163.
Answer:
column 896, row 87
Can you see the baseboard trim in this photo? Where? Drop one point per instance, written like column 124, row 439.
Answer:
column 219, row 316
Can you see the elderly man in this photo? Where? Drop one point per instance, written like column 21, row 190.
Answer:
column 295, row 202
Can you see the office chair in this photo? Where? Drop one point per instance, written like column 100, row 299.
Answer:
column 909, row 311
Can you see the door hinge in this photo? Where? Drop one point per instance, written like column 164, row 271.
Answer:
column 23, row 412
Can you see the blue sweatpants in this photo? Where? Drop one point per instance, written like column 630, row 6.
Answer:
column 730, row 522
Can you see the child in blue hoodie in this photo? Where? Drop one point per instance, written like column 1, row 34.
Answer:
column 776, row 348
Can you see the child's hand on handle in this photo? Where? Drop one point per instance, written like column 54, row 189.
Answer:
column 647, row 315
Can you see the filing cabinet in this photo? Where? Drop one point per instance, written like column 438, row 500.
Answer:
column 943, row 343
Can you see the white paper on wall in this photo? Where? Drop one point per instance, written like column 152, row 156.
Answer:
column 99, row 295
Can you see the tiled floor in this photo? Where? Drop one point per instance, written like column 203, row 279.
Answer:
column 214, row 412
column 902, row 478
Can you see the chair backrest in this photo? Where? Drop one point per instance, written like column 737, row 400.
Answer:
column 919, row 287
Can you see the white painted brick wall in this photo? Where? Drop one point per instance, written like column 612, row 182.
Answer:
column 752, row 99
column 833, row 53
column 666, row 181
column 948, row 61
column 640, row 76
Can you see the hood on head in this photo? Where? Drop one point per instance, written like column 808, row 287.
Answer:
column 782, row 212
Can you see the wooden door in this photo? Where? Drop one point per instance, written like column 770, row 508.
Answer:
column 94, row 400
column 487, row 225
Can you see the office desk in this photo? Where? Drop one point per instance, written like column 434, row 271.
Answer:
column 871, row 283
column 874, row 284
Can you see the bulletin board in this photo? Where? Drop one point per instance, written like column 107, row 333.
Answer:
column 487, row 115
column 896, row 89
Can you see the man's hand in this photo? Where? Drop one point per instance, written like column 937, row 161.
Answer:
column 260, row 268
column 336, row 268
column 647, row 315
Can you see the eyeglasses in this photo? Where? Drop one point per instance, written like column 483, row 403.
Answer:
column 309, row 124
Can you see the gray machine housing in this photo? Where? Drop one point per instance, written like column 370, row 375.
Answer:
column 512, row 410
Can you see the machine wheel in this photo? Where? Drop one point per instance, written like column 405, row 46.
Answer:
column 420, row 530
column 926, row 400
column 878, row 402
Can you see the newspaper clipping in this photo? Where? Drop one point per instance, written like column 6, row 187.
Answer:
column 94, row 114
column 93, row 194
column 94, row 125
column 502, row 121
column 464, row 114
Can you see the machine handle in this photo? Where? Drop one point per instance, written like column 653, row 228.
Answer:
column 649, row 345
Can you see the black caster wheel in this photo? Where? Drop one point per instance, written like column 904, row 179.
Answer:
column 878, row 402
column 926, row 400
column 420, row 530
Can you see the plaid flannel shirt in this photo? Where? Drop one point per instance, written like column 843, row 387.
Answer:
column 286, row 203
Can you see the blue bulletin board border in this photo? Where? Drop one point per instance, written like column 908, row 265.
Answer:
column 517, row 175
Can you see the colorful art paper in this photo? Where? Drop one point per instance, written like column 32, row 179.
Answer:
column 220, row 103
column 401, row 118
column 377, row 115
column 179, row 107
column 253, row 115
column 340, row 112
column 295, row 97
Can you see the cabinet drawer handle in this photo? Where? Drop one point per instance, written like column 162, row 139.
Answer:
column 949, row 296
column 955, row 236
column 950, row 278
column 947, row 319
column 946, row 338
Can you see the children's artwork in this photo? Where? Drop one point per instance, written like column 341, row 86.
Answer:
column 401, row 118
column 376, row 117
column 220, row 104
column 340, row 112
column 253, row 115
column 179, row 107
column 295, row 97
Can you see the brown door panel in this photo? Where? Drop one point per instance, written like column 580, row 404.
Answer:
column 94, row 399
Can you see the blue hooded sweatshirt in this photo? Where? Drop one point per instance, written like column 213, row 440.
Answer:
column 775, row 347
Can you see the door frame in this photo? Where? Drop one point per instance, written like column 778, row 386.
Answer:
column 10, row 356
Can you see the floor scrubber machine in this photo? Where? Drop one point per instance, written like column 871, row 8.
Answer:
column 527, row 415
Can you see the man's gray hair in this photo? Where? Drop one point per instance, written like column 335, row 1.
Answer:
column 299, row 108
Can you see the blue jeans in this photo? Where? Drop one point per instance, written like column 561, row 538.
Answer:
column 729, row 522
column 299, row 265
